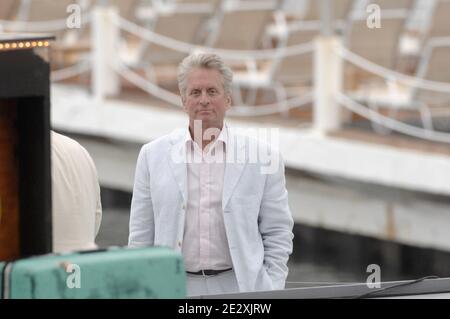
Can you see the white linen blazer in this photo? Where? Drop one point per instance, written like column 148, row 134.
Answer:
column 258, row 222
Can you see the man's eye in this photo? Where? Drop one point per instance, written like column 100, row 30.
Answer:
column 213, row 92
column 195, row 93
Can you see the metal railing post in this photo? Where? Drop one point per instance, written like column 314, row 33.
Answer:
column 328, row 81
column 105, row 35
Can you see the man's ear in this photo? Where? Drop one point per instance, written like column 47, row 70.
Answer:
column 228, row 102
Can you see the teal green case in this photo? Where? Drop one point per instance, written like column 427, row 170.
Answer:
column 2, row 266
column 153, row 272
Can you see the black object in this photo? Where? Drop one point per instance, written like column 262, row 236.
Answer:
column 24, row 78
column 208, row 272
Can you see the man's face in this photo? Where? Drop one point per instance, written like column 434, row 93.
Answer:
column 205, row 98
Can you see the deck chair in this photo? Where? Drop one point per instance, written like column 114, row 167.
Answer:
column 432, row 64
column 240, row 25
column 180, row 21
column 309, row 17
column 392, row 4
column 284, row 75
column 379, row 45
column 296, row 70
column 212, row 2
column 439, row 22
column 341, row 9
column 42, row 10
column 8, row 9
column 49, row 10
column 127, row 10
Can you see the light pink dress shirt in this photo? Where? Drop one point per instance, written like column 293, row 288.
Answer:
column 205, row 244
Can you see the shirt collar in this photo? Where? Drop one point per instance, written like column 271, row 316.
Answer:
column 223, row 137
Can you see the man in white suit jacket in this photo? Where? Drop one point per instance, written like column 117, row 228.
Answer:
column 230, row 219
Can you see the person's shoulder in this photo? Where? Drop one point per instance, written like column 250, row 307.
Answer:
column 163, row 142
column 61, row 141
column 65, row 148
column 254, row 138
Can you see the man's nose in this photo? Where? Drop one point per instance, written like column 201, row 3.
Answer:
column 204, row 99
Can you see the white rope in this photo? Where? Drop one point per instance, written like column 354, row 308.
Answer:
column 71, row 71
column 389, row 74
column 391, row 123
column 41, row 26
column 174, row 99
column 268, row 109
column 226, row 54
column 145, row 85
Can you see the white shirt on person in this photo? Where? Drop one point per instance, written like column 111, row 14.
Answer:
column 76, row 204
column 205, row 244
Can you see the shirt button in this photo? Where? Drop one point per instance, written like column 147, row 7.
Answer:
column 179, row 244
column 183, row 207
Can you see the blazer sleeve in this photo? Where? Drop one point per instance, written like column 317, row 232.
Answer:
column 142, row 228
column 275, row 225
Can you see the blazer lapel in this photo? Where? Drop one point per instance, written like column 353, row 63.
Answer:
column 177, row 162
column 236, row 159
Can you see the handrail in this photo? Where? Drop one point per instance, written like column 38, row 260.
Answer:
column 267, row 109
column 185, row 47
column 392, row 124
column 149, row 87
column 174, row 99
column 71, row 71
column 386, row 73
column 40, row 26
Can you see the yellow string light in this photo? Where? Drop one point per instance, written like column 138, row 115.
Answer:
column 22, row 45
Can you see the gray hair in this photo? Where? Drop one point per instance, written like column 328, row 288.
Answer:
column 207, row 61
